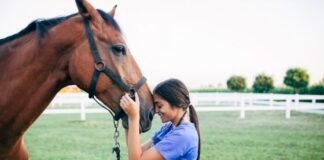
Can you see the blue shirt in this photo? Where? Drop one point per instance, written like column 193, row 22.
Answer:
column 179, row 143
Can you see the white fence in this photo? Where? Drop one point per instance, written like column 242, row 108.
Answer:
column 81, row 104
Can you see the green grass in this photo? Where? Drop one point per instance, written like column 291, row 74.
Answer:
column 261, row 136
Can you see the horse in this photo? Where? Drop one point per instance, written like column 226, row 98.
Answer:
column 48, row 55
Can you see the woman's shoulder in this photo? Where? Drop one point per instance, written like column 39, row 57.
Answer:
column 186, row 135
column 188, row 126
column 186, row 130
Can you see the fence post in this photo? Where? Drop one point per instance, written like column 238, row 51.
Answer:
column 271, row 99
column 313, row 101
column 251, row 99
column 296, row 99
column 82, row 111
column 237, row 99
column 242, row 108
column 288, row 108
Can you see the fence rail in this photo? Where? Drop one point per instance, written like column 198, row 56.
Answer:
column 79, row 103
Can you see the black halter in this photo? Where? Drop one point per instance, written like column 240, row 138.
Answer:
column 100, row 66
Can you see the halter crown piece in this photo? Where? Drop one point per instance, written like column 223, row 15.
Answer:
column 100, row 67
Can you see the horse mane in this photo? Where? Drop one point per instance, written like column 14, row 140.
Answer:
column 41, row 26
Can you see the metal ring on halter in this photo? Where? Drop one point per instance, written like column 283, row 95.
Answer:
column 132, row 92
column 100, row 66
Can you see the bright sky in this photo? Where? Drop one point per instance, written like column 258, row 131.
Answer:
column 203, row 42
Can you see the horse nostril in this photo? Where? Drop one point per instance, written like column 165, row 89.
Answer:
column 151, row 114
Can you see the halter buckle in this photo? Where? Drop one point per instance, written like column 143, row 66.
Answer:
column 100, row 66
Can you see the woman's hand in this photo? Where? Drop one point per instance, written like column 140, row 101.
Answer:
column 130, row 107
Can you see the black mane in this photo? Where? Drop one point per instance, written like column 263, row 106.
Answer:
column 41, row 26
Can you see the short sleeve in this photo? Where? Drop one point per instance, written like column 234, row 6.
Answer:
column 172, row 147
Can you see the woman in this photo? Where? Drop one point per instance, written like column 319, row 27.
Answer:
column 178, row 138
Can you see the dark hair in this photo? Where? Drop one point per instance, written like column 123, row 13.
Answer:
column 177, row 94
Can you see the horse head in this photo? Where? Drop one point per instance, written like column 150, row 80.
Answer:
column 103, row 65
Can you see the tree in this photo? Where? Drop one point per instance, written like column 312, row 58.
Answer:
column 262, row 83
column 296, row 78
column 317, row 88
column 236, row 83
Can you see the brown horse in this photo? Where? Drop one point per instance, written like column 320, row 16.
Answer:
column 50, row 54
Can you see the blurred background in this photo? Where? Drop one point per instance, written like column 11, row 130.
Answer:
column 255, row 70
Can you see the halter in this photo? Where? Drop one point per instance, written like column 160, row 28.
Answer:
column 101, row 67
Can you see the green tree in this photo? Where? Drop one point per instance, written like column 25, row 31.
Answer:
column 236, row 83
column 317, row 88
column 262, row 83
column 296, row 78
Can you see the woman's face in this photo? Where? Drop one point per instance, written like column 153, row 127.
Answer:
column 164, row 109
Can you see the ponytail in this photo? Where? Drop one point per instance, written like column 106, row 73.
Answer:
column 194, row 119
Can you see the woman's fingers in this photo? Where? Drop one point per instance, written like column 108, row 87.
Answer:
column 136, row 97
column 130, row 107
column 126, row 100
column 123, row 102
column 127, row 97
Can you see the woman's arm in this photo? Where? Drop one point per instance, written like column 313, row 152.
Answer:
column 148, row 152
column 147, row 145
column 131, row 108
column 134, row 146
column 144, row 146
column 135, row 151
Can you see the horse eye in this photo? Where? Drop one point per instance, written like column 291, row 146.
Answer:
column 118, row 50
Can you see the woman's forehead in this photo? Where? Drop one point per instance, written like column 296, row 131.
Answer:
column 158, row 99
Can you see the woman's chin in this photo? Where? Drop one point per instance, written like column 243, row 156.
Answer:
column 163, row 120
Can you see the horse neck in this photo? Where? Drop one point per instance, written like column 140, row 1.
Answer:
column 31, row 75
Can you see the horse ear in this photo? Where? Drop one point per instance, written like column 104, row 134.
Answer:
column 87, row 10
column 113, row 10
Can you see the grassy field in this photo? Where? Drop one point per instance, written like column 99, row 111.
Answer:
column 261, row 136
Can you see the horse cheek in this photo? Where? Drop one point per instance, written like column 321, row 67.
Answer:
column 79, row 70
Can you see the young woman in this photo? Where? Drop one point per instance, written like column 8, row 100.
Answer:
column 178, row 138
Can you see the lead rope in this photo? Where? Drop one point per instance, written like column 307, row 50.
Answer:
column 116, row 147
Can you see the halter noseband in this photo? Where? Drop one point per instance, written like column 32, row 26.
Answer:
column 100, row 66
